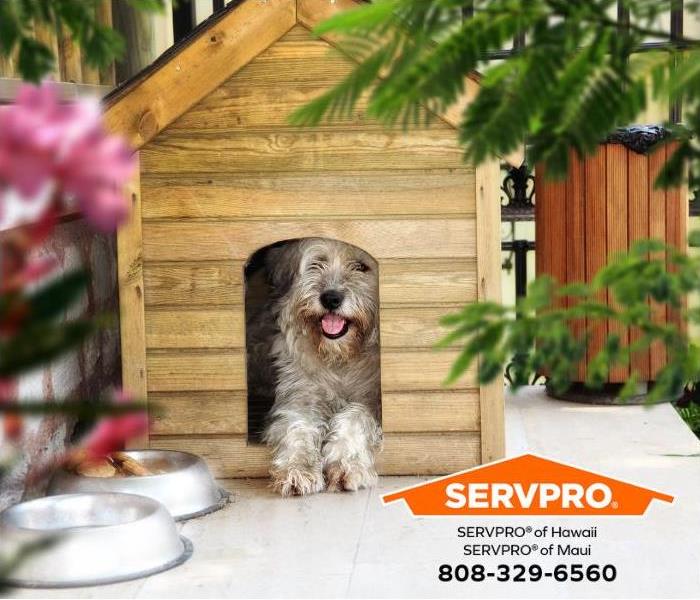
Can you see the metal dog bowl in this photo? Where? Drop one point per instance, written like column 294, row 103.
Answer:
column 92, row 539
column 181, row 482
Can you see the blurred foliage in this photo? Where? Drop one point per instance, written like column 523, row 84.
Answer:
column 78, row 408
column 101, row 43
column 689, row 407
column 537, row 334
column 691, row 415
column 578, row 76
column 569, row 86
column 34, row 330
column 35, row 326
column 8, row 566
column 34, row 334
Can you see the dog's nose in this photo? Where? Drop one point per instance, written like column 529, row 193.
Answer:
column 331, row 299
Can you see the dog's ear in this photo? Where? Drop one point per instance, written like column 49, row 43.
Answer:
column 281, row 265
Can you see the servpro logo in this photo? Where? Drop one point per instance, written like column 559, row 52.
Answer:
column 527, row 485
column 541, row 495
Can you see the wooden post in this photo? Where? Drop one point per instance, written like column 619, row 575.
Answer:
column 104, row 17
column 90, row 73
column 69, row 58
column 147, row 35
column 47, row 35
column 7, row 66
column 488, row 244
column 131, row 307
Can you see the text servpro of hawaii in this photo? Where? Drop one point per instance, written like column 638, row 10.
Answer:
column 498, row 531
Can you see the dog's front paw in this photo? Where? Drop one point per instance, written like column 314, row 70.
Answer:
column 298, row 481
column 349, row 477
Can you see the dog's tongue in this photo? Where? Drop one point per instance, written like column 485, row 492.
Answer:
column 332, row 324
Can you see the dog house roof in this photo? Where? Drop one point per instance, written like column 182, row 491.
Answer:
column 125, row 86
column 145, row 104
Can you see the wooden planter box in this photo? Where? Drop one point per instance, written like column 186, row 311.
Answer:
column 607, row 202
column 222, row 174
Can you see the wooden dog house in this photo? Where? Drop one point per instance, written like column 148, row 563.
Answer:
column 223, row 174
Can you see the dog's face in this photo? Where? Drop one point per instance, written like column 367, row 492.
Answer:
column 330, row 297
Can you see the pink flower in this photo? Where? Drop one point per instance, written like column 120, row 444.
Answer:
column 8, row 389
column 94, row 172
column 111, row 433
column 45, row 142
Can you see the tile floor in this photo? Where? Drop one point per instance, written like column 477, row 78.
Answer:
column 350, row 545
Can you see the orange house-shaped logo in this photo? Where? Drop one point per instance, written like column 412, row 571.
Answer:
column 526, row 485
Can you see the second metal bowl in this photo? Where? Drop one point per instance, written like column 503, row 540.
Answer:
column 89, row 539
column 181, row 481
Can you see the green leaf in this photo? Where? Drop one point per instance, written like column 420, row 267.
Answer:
column 482, row 343
column 457, row 334
column 694, row 238
column 668, row 384
column 148, row 5
column 339, row 102
column 10, row 562
column 54, row 298
column 10, row 28
column 490, row 368
column 102, row 46
column 369, row 17
column 34, row 60
column 629, row 389
column 79, row 408
column 577, row 290
column 40, row 343
column 460, row 365
column 642, row 247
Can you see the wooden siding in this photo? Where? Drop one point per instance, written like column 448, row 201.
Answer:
column 230, row 176
column 238, row 239
column 224, row 413
column 607, row 202
column 285, row 195
column 402, row 281
column 427, row 453
column 402, row 326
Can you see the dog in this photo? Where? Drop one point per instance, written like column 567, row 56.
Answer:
column 319, row 331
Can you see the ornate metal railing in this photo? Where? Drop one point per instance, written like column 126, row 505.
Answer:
column 517, row 204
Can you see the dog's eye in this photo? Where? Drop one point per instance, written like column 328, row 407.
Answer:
column 318, row 263
column 360, row 266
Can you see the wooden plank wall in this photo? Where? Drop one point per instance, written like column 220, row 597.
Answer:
column 229, row 177
column 607, row 202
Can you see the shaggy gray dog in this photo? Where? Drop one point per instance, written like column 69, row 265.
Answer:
column 320, row 328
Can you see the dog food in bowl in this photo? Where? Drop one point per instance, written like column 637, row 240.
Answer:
column 181, row 481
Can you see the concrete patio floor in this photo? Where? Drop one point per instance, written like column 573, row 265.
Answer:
column 350, row 545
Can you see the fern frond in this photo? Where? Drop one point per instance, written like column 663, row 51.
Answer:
column 436, row 72
column 367, row 18
column 339, row 101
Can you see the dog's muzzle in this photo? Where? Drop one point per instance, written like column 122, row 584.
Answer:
column 334, row 326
